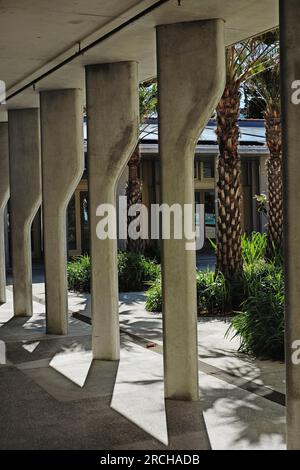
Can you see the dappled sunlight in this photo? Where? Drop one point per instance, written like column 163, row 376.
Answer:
column 37, row 321
column 131, row 299
column 79, row 303
column 239, row 420
column 150, row 330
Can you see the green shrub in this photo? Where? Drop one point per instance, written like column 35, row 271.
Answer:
column 260, row 324
column 79, row 273
column 154, row 296
column 258, row 296
column 253, row 248
column 212, row 293
column 135, row 272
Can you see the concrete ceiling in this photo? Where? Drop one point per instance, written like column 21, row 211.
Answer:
column 37, row 35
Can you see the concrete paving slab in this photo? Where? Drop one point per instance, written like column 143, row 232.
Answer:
column 75, row 368
column 139, row 390
column 33, row 419
column 239, row 420
column 54, row 396
column 214, row 348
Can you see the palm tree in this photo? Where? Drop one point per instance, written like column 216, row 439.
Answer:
column 148, row 106
column 243, row 60
column 267, row 86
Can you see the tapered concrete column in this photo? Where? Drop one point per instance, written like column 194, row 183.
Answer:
column 290, row 81
column 4, row 196
column 25, row 199
column 112, row 109
column 62, row 168
column 191, row 71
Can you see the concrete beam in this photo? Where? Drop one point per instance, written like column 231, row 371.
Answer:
column 25, row 199
column 62, row 168
column 4, row 196
column 191, row 77
column 290, row 76
column 113, row 127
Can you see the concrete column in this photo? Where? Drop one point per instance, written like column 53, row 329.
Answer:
column 25, row 199
column 4, row 196
column 62, row 168
column 191, row 77
column 290, row 77
column 113, row 123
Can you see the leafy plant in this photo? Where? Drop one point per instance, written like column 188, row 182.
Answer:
column 262, row 201
column 135, row 272
column 212, row 292
column 253, row 248
column 260, row 324
column 79, row 273
column 154, row 296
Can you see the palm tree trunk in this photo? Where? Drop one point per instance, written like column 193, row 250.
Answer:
column 229, row 231
column 134, row 196
column 274, row 172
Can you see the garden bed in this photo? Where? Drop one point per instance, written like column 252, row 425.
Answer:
column 255, row 301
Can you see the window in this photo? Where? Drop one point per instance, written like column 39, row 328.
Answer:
column 209, row 169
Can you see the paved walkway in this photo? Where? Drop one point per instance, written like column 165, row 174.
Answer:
column 54, row 396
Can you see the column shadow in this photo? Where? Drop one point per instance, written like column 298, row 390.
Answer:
column 18, row 327
column 186, row 426
column 101, row 379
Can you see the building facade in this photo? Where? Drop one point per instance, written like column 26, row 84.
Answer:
column 253, row 153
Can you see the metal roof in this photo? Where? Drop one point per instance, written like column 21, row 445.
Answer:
column 252, row 137
column 252, row 132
